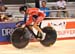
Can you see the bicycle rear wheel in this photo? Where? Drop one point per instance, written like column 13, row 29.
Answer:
column 50, row 37
column 18, row 38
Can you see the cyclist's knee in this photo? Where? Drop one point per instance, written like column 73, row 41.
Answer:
column 35, row 24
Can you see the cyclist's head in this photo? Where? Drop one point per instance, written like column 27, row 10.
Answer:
column 23, row 9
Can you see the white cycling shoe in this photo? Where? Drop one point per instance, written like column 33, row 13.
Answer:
column 43, row 36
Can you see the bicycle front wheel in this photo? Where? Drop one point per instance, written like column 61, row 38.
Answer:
column 18, row 38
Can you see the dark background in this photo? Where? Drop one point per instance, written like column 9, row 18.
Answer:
column 14, row 1
column 29, row 1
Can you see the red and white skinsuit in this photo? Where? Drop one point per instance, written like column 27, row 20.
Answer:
column 35, row 15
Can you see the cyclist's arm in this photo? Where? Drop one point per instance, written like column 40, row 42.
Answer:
column 29, row 21
column 25, row 18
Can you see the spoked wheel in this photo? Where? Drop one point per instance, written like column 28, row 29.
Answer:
column 50, row 37
column 18, row 38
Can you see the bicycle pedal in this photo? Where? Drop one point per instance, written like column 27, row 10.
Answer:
column 38, row 39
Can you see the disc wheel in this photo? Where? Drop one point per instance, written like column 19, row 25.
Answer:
column 50, row 37
column 18, row 38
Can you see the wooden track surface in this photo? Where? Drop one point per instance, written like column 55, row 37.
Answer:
column 60, row 47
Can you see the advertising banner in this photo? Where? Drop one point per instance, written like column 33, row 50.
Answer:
column 6, row 30
column 64, row 27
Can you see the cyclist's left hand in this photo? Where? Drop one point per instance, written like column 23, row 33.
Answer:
column 23, row 26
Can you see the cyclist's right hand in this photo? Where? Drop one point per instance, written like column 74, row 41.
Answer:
column 18, row 25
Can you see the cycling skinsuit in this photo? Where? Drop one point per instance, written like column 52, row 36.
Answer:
column 35, row 15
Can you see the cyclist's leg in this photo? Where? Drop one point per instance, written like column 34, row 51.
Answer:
column 39, row 19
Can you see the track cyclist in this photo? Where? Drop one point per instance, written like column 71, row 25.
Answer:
column 34, row 15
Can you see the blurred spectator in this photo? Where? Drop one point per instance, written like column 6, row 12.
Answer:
column 3, row 18
column 44, row 8
column 40, row 1
column 2, row 6
column 61, row 5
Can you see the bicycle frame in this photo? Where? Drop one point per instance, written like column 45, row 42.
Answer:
column 32, row 30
